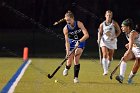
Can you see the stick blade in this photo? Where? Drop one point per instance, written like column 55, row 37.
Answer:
column 111, row 77
column 49, row 76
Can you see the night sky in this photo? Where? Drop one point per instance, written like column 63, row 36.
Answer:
column 29, row 22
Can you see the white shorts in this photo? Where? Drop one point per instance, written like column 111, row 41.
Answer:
column 109, row 44
column 136, row 51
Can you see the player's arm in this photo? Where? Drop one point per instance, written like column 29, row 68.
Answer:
column 117, row 28
column 131, row 42
column 127, row 45
column 84, row 30
column 131, row 39
column 67, row 45
column 100, row 32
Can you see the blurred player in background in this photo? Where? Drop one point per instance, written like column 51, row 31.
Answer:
column 75, row 35
column 133, row 50
column 109, row 30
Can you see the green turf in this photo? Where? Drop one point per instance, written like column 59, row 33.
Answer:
column 91, row 79
column 8, row 66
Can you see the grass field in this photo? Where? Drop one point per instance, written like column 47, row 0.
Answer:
column 91, row 79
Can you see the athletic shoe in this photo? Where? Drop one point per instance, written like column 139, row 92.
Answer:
column 76, row 80
column 119, row 78
column 105, row 73
column 65, row 72
column 130, row 81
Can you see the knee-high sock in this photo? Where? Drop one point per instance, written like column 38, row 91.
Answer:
column 123, row 68
column 131, row 75
column 109, row 62
column 105, row 64
column 76, row 70
column 67, row 67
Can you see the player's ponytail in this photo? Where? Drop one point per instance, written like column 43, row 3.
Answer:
column 137, row 28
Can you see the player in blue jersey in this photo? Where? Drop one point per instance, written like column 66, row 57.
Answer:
column 75, row 35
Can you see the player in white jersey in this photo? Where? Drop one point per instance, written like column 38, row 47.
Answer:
column 133, row 51
column 109, row 30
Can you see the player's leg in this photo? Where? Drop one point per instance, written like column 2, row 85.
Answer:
column 134, row 70
column 68, row 65
column 123, row 67
column 70, row 59
column 110, row 56
column 105, row 60
column 136, row 51
column 78, row 53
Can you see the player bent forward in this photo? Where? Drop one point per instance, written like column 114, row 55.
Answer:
column 133, row 51
column 75, row 35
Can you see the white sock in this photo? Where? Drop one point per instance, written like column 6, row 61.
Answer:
column 122, row 68
column 131, row 75
column 105, row 65
column 109, row 62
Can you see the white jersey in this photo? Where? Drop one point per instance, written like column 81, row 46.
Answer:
column 136, row 46
column 108, row 35
column 137, row 41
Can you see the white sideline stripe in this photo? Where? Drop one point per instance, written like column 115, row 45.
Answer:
column 12, row 88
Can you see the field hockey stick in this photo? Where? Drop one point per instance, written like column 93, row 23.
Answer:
column 50, row 76
column 100, row 54
column 99, row 49
column 113, row 72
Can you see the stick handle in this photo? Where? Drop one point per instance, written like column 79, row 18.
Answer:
column 100, row 54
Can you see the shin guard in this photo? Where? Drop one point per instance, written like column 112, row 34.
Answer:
column 76, row 70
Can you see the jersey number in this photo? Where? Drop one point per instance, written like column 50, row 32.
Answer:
column 75, row 36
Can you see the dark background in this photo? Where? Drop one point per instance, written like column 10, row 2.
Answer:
column 28, row 23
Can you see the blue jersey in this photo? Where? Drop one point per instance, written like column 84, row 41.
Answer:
column 74, row 35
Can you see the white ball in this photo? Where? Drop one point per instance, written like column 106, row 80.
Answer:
column 55, row 81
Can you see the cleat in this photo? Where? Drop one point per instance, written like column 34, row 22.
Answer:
column 105, row 73
column 76, row 80
column 65, row 72
column 130, row 81
column 119, row 78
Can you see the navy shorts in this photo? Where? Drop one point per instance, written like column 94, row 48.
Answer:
column 73, row 42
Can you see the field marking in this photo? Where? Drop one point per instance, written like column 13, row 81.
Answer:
column 12, row 83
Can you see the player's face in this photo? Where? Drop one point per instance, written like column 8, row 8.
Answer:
column 69, row 20
column 124, row 28
column 108, row 16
